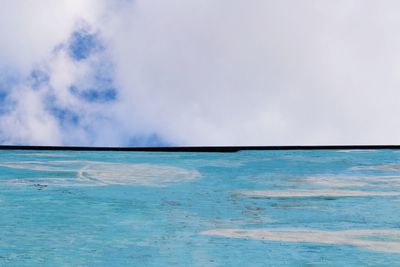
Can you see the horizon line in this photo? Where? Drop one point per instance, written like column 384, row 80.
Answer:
column 221, row 149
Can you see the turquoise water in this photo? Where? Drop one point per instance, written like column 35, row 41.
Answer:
column 251, row 208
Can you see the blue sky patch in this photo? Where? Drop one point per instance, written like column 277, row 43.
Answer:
column 82, row 45
column 152, row 140
column 3, row 96
column 10, row 79
column 8, row 82
column 38, row 78
column 7, row 105
column 65, row 116
column 95, row 95
column 97, row 86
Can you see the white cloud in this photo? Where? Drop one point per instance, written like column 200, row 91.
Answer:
column 261, row 72
column 221, row 73
column 30, row 29
column 29, row 122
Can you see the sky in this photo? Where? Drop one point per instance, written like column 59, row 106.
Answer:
column 199, row 72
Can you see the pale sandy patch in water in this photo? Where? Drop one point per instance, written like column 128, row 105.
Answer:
column 91, row 173
column 132, row 173
column 356, row 150
column 354, row 181
column 35, row 166
column 378, row 167
column 54, row 181
column 377, row 240
column 59, row 165
column 334, row 182
column 53, row 155
column 314, row 193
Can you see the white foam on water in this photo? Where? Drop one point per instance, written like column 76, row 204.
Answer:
column 135, row 173
column 314, row 193
column 386, row 240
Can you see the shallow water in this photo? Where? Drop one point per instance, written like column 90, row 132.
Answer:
column 251, row 208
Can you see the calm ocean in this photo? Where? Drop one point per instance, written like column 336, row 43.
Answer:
column 251, row 208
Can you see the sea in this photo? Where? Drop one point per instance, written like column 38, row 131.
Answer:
column 249, row 208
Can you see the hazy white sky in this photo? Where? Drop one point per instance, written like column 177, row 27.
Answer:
column 199, row 72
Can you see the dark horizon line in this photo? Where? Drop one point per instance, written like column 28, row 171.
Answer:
column 223, row 149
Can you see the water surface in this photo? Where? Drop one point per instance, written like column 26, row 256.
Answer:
column 251, row 208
